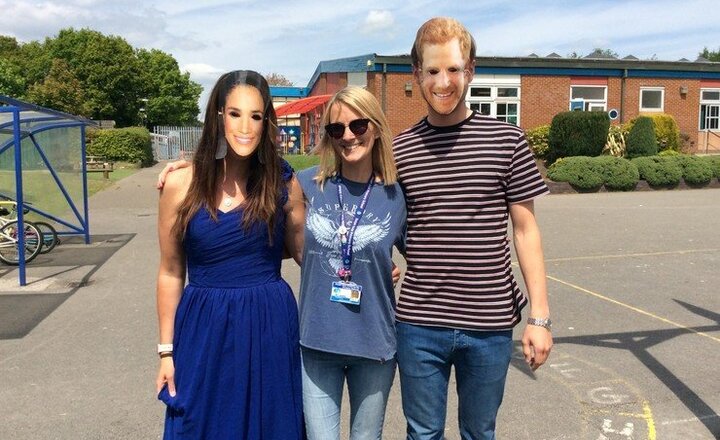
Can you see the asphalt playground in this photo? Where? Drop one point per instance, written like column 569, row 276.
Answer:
column 634, row 284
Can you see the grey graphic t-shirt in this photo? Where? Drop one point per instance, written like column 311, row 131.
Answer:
column 367, row 329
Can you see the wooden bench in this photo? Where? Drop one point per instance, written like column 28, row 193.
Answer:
column 97, row 164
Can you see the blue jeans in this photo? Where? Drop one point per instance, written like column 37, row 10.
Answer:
column 481, row 360
column 369, row 382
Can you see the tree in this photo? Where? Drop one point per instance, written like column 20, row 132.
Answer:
column 710, row 55
column 171, row 96
column 277, row 79
column 596, row 51
column 61, row 90
column 11, row 81
column 108, row 70
column 9, row 47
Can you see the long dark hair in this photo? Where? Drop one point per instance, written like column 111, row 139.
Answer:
column 264, row 180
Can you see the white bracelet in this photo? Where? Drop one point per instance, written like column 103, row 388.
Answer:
column 165, row 348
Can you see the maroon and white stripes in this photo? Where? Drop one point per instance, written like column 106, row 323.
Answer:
column 458, row 183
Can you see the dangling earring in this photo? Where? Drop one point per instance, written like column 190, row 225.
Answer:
column 222, row 146
column 221, row 150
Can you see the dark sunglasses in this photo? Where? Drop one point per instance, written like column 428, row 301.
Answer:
column 358, row 127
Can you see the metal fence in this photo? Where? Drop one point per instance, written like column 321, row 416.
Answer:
column 171, row 143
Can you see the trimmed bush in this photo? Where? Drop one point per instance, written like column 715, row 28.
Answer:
column 667, row 132
column 123, row 144
column 619, row 174
column 577, row 134
column 538, row 140
column 695, row 170
column 715, row 165
column 658, row 170
column 641, row 139
column 582, row 172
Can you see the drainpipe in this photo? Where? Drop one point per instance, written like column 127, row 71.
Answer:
column 383, row 91
column 622, row 96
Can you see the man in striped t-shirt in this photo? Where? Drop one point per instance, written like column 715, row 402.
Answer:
column 464, row 175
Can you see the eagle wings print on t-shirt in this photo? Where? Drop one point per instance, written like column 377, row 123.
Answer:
column 325, row 230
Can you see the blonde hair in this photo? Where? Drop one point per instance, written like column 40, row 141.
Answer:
column 440, row 30
column 366, row 105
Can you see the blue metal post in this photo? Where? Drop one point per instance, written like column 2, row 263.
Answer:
column 83, row 164
column 19, row 196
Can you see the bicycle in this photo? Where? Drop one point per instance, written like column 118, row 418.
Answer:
column 50, row 235
column 9, row 236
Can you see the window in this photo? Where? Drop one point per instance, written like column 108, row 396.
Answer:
column 589, row 98
column 507, row 112
column 651, row 99
column 483, row 108
column 497, row 96
column 710, row 109
column 710, row 95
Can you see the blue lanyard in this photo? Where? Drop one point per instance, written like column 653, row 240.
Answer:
column 347, row 235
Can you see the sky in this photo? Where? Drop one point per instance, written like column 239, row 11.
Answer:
column 291, row 37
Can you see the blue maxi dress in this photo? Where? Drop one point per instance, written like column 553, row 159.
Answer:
column 236, row 349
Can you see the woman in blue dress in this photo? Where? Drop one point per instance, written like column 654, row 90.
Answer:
column 229, row 351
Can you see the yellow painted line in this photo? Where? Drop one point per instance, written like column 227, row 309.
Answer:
column 641, row 254
column 650, row 421
column 635, row 309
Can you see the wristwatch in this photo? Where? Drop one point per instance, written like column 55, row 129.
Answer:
column 541, row 322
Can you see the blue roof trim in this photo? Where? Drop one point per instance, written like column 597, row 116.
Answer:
column 544, row 71
column 670, row 74
column 27, row 106
column 393, row 68
column 352, row 64
column 289, row 92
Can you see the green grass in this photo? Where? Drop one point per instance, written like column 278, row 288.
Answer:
column 302, row 161
column 41, row 190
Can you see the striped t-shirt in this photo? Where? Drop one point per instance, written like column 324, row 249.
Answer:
column 459, row 181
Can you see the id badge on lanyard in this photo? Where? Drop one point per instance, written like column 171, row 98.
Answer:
column 345, row 291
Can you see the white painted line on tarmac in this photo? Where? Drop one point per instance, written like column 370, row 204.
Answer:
column 634, row 255
column 635, row 309
column 689, row 420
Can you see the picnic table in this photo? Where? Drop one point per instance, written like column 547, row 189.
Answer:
column 98, row 164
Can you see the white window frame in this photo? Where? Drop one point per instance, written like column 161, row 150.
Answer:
column 709, row 103
column 495, row 82
column 651, row 109
column 590, row 104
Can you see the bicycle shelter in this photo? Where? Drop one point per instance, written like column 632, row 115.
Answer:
column 43, row 167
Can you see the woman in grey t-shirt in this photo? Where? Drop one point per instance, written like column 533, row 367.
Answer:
column 355, row 215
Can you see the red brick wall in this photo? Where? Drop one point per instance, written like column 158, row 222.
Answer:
column 541, row 98
column 329, row 83
column 684, row 108
column 404, row 108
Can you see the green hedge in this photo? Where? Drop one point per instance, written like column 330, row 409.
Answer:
column 659, row 170
column 641, row 139
column 619, row 174
column 695, row 170
column 123, row 144
column 590, row 173
column 577, row 134
column 714, row 165
column 582, row 172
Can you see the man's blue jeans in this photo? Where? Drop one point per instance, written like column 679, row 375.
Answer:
column 481, row 360
column 369, row 384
